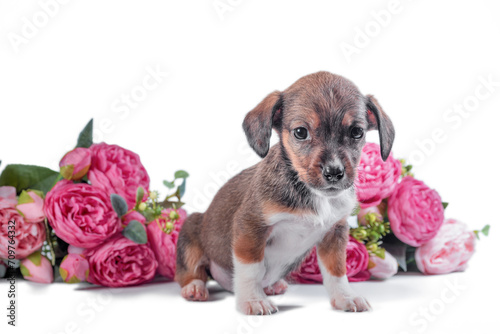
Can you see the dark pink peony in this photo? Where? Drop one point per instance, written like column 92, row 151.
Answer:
column 117, row 170
column 120, row 262
column 29, row 237
column 448, row 251
column 80, row 214
column 309, row 272
column 357, row 261
column 356, row 265
column 415, row 212
column 376, row 178
column 76, row 163
column 164, row 244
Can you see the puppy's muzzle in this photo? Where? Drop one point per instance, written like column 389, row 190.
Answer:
column 333, row 173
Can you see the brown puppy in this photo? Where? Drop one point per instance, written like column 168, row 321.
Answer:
column 264, row 220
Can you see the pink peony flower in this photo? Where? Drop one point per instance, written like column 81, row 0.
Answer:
column 448, row 251
column 309, row 272
column 384, row 268
column 80, row 214
column 415, row 212
column 356, row 265
column 31, row 206
column 363, row 212
column 120, row 262
column 357, row 261
column 134, row 215
column 8, row 197
column 163, row 244
column 75, row 164
column 74, row 268
column 117, row 170
column 28, row 237
column 376, row 178
column 37, row 268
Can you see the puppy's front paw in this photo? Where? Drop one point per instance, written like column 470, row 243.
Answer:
column 257, row 307
column 277, row 288
column 195, row 291
column 350, row 303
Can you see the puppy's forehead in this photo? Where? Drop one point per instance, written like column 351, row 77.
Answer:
column 323, row 97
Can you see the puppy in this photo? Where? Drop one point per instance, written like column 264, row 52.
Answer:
column 265, row 220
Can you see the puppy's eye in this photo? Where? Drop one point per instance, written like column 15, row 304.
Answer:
column 300, row 133
column 357, row 132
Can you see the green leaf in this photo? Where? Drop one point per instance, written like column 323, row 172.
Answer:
column 181, row 174
column 36, row 258
column 486, row 230
column 445, row 205
column 182, row 189
column 139, row 195
column 169, row 185
column 171, row 205
column 136, row 232
column 119, row 204
column 85, row 137
column 28, row 177
column 24, row 271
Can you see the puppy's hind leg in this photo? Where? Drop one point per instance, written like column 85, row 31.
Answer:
column 191, row 262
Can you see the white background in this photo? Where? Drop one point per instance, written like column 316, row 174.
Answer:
column 426, row 58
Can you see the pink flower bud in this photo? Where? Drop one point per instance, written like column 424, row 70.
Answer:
column 74, row 268
column 37, row 268
column 363, row 212
column 384, row 268
column 76, row 163
column 30, row 205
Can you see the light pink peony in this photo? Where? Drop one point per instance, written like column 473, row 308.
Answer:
column 37, row 268
column 75, row 164
column 120, row 262
column 31, row 206
column 164, row 244
column 357, row 261
column 308, row 272
column 376, row 178
column 75, row 250
column 74, row 268
column 384, row 268
column 29, row 237
column 8, row 197
column 117, row 170
column 448, row 251
column 80, row 214
column 415, row 212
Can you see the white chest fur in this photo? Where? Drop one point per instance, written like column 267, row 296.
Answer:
column 293, row 235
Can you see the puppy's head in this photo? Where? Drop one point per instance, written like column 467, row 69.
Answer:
column 321, row 120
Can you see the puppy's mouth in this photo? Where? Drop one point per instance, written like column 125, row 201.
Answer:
column 333, row 190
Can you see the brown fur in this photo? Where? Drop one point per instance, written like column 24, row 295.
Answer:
column 237, row 219
column 331, row 250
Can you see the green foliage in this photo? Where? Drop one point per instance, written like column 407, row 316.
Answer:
column 136, row 232
column 85, row 137
column 24, row 177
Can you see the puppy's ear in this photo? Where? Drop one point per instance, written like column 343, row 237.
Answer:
column 378, row 119
column 259, row 122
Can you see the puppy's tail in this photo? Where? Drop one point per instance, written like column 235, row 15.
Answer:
column 191, row 261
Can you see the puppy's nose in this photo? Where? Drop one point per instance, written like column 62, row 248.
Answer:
column 333, row 173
